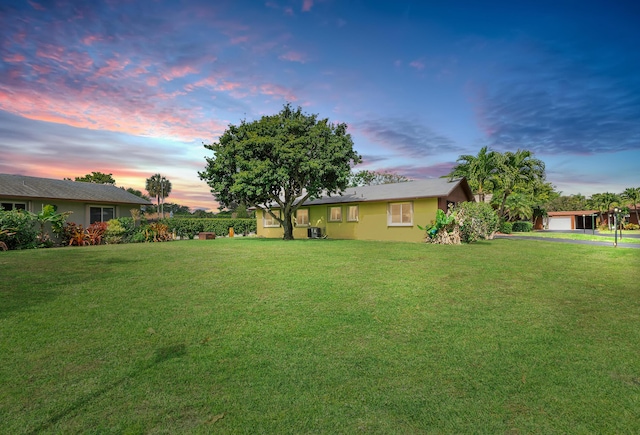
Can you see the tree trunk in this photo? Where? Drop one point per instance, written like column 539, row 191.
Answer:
column 287, row 225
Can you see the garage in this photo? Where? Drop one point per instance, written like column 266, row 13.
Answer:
column 560, row 222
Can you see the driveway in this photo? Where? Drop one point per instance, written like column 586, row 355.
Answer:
column 576, row 242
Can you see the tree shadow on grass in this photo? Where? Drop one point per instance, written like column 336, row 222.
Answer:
column 161, row 355
column 12, row 300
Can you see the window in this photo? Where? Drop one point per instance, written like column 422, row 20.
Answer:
column 352, row 213
column 101, row 214
column 302, row 217
column 269, row 221
column 7, row 206
column 335, row 214
column 400, row 214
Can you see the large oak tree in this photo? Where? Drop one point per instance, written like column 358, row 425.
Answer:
column 280, row 161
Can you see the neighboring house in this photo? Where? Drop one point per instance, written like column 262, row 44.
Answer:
column 568, row 220
column 578, row 220
column 383, row 212
column 89, row 202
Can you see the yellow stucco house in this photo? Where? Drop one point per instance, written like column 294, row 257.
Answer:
column 383, row 212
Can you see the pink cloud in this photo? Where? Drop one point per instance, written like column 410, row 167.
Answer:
column 307, row 5
column 417, row 64
column 90, row 39
column 179, row 71
column 278, row 91
column 36, row 6
column 293, row 56
column 14, row 58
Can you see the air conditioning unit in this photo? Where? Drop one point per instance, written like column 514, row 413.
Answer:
column 314, row 233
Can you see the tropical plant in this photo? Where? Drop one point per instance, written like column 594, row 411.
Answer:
column 516, row 170
column 518, row 206
column 603, row 202
column 95, row 232
column 5, row 234
column 74, row 234
column 49, row 215
column 21, row 226
column 480, row 171
column 632, row 194
column 115, row 232
column 157, row 232
column 443, row 230
column 158, row 187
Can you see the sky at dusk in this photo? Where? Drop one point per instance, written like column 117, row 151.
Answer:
column 135, row 88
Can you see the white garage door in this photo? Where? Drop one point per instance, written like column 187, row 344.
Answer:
column 560, row 223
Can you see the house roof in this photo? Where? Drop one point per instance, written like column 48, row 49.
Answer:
column 572, row 213
column 431, row 188
column 22, row 186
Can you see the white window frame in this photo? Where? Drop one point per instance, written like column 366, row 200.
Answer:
column 302, row 224
column 330, row 210
column 351, row 218
column 269, row 221
column 401, row 222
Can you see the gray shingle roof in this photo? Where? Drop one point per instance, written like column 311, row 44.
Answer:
column 33, row 187
column 431, row 188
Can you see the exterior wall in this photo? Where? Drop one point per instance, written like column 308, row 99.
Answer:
column 372, row 222
column 80, row 210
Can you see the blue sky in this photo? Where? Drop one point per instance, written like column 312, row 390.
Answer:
column 136, row 87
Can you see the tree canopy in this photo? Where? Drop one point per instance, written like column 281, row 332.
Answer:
column 279, row 161
column 97, row 178
column 372, row 178
column 505, row 174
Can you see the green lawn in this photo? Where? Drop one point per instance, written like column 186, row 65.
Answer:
column 584, row 236
column 320, row 336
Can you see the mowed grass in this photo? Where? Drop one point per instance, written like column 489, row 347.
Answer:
column 584, row 236
column 320, row 336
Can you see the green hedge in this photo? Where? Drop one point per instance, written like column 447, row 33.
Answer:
column 189, row 227
column 522, row 227
column 506, row 227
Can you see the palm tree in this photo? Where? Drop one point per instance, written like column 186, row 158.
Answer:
column 514, row 170
column 603, row 202
column 158, row 187
column 478, row 170
column 518, row 207
column 632, row 194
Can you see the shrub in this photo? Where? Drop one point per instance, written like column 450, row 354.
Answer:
column 74, row 234
column 506, row 227
column 522, row 227
column 157, row 232
column 477, row 220
column 443, row 230
column 189, row 227
column 631, row 227
column 95, row 232
column 20, row 229
column 115, row 232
